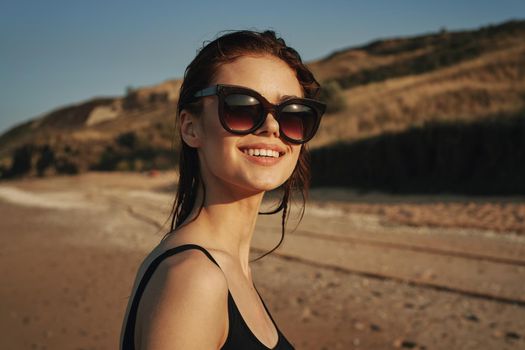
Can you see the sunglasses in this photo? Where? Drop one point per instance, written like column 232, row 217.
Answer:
column 242, row 111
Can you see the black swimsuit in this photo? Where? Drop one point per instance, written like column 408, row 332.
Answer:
column 239, row 334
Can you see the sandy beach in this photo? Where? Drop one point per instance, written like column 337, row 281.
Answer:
column 361, row 271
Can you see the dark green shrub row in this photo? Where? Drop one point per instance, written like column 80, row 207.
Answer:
column 485, row 157
column 38, row 159
column 134, row 152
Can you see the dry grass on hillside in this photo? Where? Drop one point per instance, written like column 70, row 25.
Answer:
column 353, row 61
column 491, row 85
column 383, row 53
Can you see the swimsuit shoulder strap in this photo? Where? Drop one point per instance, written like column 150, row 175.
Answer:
column 184, row 247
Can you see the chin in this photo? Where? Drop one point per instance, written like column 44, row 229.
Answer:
column 262, row 185
column 266, row 185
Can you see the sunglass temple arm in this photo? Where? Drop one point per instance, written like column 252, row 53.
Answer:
column 212, row 90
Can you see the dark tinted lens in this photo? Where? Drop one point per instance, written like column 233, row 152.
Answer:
column 241, row 112
column 297, row 121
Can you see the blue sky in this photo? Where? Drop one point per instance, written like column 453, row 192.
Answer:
column 60, row 52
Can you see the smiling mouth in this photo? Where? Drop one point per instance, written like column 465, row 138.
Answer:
column 262, row 153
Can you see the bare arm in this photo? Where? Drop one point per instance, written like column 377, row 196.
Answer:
column 184, row 305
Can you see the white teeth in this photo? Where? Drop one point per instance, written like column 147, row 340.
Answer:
column 262, row 152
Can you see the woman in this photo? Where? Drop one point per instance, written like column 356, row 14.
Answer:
column 246, row 110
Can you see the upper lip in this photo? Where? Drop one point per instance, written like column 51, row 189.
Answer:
column 277, row 148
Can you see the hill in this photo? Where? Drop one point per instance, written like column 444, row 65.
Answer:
column 388, row 87
column 392, row 85
column 132, row 132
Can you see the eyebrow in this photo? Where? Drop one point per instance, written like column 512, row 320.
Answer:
column 287, row 97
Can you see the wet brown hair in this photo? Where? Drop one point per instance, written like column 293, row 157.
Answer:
column 198, row 75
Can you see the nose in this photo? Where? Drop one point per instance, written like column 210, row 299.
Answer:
column 270, row 126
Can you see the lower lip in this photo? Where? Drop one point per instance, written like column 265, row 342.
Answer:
column 267, row 161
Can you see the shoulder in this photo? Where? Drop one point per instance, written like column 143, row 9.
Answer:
column 184, row 304
column 192, row 261
column 189, row 273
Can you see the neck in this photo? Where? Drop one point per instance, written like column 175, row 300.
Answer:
column 227, row 220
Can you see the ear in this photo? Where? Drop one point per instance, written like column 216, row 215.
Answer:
column 189, row 129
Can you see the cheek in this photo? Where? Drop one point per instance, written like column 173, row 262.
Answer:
column 296, row 153
column 217, row 152
column 294, row 160
column 214, row 138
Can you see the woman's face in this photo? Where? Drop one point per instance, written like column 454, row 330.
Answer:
column 221, row 156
